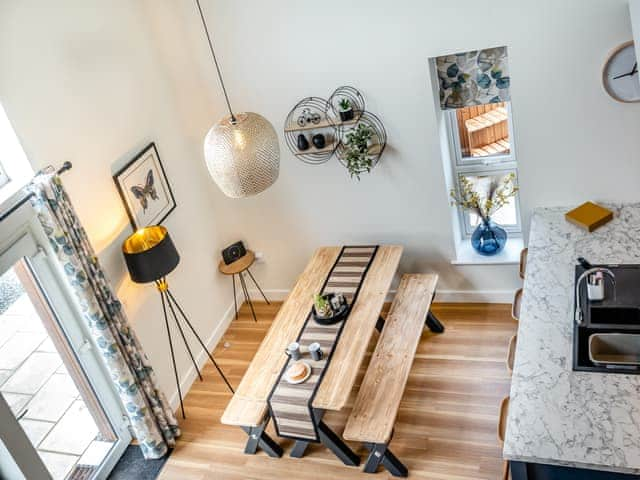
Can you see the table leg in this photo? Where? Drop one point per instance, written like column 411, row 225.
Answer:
column 258, row 286
column 246, row 296
column 298, row 449
column 235, row 300
column 433, row 323
column 334, row 443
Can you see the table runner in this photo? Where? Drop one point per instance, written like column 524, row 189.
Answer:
column 291, row 405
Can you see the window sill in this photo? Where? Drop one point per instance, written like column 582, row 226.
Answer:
column 466, row 255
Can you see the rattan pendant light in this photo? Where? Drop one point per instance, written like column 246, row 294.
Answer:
column 241, row 150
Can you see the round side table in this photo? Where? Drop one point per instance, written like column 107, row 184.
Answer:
column 239, row 267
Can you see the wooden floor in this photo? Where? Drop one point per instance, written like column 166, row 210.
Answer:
column 446, row 428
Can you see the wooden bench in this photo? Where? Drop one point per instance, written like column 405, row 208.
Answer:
column 376, row 407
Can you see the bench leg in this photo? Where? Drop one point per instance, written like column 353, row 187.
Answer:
column 433, row 323
column 258, row 438
column 380, row 454
column 334, row 443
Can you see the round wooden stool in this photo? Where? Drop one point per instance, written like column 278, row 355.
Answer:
column 239, row 267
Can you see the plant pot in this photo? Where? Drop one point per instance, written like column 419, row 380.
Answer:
column 336, row 317
column 346, row 115
column 488, row 238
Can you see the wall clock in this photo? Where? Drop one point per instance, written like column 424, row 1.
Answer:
column 620, row 74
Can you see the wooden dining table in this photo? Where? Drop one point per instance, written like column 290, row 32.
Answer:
column 333, row 393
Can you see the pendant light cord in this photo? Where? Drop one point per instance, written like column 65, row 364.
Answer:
column 215, row 61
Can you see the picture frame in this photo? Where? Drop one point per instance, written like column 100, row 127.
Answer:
column 144, row 189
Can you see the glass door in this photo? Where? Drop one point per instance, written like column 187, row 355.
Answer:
column 60, row 415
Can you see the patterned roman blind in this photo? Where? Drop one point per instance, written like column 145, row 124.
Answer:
column 473, row 78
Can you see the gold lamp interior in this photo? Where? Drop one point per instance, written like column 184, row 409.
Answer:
column 144, row 239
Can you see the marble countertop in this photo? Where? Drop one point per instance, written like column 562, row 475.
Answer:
column 556, row 415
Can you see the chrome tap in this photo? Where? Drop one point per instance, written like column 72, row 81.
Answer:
column 578, row 314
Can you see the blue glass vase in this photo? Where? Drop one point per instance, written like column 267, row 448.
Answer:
column 488, row 238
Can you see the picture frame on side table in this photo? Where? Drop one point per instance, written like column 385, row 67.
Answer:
column 144, row 189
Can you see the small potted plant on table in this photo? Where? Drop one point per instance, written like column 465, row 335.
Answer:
column 329, row 308
column 488, row 237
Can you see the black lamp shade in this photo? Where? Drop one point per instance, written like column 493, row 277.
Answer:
column 150, row 254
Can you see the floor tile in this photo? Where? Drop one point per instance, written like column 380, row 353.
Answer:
column 8, row 326
column 53, row 399
column 47, row 346
column 58, row 465
column 95, row 453
column 16, row 401
column 33, row 373
column 29, row 321
column 18, row 348
column 73, row 433
column 22, row 306
column 4, row 374
column 35, row 430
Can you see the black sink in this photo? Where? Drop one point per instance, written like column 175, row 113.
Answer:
column 619, row 312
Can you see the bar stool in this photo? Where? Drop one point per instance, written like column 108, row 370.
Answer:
column 515, row 306
column 502, row 428
column 523, row 262
column 239, row 267
column 511, row 353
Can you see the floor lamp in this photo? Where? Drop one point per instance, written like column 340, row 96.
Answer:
column 150, row 256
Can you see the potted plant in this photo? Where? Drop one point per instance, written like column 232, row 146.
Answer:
column 357, row 143
column 345, row 109
column 322, row 306
column 488, row 238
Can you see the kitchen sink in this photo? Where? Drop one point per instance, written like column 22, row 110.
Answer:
column 617, row 314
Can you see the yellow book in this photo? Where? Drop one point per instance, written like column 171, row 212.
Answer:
column 589, row 216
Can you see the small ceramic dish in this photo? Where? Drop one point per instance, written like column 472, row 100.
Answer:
column 300, row 380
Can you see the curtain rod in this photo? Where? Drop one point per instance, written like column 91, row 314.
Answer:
column 65, row 166
column 50, row 169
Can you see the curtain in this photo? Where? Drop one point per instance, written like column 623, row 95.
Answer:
column 153, row 423
column 473, row 78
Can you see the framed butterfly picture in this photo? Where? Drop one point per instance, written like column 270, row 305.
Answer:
column 144, row 189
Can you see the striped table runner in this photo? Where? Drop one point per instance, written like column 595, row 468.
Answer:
column 290, row 405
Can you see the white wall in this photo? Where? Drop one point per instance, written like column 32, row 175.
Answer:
column 93, row 82
column 81, row 81
column 573, row 142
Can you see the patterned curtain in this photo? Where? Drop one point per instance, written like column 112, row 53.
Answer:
column 473, row 78
column 154, row 424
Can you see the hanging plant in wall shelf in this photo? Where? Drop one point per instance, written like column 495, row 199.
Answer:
column 317, row 129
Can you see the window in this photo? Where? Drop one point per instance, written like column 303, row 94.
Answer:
column 15, row 169
column 482, row 152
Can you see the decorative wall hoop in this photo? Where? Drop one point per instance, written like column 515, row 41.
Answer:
column 314, row 115
column 352, row 95
column 309, row 118
column 378, row 141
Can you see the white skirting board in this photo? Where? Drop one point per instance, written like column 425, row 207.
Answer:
column 443, row 296
column 449, row 296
